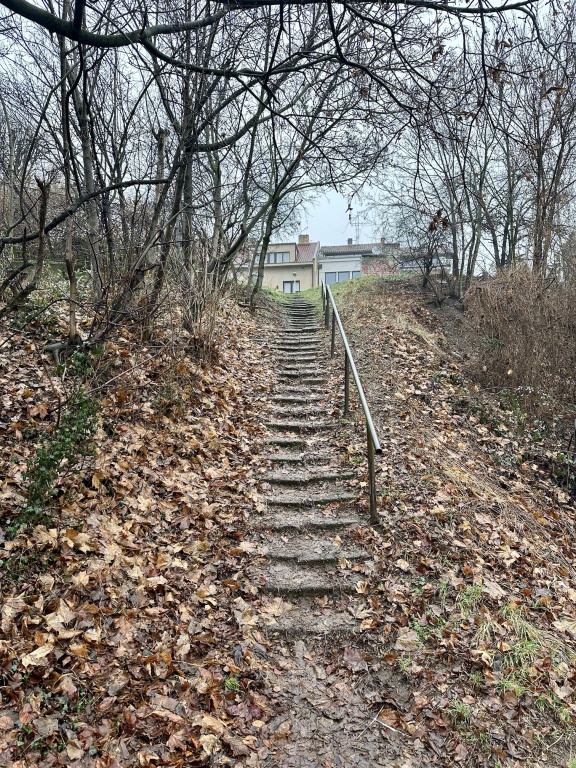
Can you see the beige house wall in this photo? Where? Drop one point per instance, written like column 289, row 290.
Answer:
column 278, row 247
column 276, row 274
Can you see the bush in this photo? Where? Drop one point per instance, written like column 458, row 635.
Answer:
column 528, row 323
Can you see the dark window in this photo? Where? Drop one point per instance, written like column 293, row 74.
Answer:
column 278, row 257
column 291, row 286
column 343, row 276
column 330, row 277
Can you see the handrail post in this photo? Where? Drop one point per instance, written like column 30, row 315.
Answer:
column 371, row 477
column 333, row 334
column 346, row 384
column 327, row 312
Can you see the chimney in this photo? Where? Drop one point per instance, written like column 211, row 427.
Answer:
column 349, row 241
column 303, row 239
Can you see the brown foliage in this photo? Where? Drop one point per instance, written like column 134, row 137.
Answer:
column 528, row 326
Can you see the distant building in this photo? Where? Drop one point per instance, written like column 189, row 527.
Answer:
column 416, row 259
column 291, row 267
column 339, row 263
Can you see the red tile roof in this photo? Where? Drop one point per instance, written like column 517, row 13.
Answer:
column 306, row 252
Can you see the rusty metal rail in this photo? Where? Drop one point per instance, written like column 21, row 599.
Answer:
column 373, row 444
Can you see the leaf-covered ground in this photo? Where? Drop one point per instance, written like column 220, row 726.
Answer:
column 473, row 595
column 124, row 616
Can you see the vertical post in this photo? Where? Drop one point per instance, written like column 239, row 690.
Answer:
column 327, row 310
column 371, row 477
column 346, row 384
column 333, row 334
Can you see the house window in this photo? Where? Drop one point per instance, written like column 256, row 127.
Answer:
column 343, row 276
column 278, row 257
column 329, row 278
column 291, row 286
column 356, row 274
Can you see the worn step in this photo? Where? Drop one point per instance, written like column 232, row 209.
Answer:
column 310, row 620
column 301, row 501
column 291, row 477
column 296, row 399
column 287, row 442
column 300, row 359
column 297, row 366
column 301, row 389
column 316, row 380
column 298, row 349
column 303, row 581
column 295, row 373
column 299, row 426
column 310, row 329
column 306, row 520
column 296, row 458
column 309, row 550
column 297, row 412
column 288, row 458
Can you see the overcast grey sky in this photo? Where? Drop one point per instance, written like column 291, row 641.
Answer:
column 327, row 220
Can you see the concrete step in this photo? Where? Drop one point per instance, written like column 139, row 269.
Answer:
column 296, row 399
column 299, row 389
column 285, row 376
column 305, row 478
column 297, row 581
column 310, row 550
column 303, row 500
column 299, row 427
column 294, row 359
column 313, row 380
column 307, row 520
column 307, row 619
column 298, row 350
column 297, row 458
column 287, row 442
column 289, row 368
column 295, row 412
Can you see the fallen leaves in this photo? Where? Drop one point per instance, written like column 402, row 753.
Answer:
column 116, row 644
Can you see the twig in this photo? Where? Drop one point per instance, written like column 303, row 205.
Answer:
column 384, row 725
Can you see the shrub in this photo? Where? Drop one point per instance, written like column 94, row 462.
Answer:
column 528, row 323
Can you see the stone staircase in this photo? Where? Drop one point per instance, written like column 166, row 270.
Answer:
column 308, row 530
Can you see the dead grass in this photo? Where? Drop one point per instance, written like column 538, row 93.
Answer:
column 527, row 324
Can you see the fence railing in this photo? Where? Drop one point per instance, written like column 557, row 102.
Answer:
column 373, row 444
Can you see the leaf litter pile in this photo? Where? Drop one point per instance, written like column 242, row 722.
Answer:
column 471, row 594
column 128, row 628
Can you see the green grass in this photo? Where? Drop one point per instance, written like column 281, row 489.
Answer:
column 468, row 599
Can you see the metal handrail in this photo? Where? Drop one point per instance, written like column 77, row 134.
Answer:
column 373, row 444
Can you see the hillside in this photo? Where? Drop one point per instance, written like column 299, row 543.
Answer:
column 473, row 588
